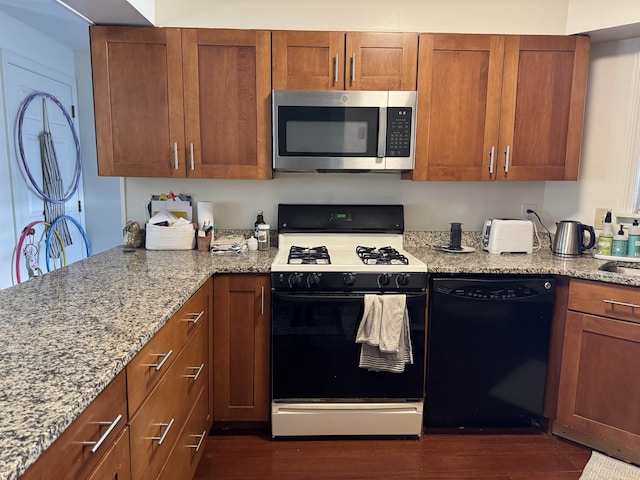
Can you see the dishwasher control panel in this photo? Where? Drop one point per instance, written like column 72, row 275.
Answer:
column 495, row 292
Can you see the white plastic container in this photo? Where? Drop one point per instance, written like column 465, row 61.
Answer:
column 633, row 242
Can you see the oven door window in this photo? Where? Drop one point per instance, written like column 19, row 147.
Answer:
column 328, row 131
column 315, row 357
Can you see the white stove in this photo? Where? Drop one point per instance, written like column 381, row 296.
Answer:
column 330, row 257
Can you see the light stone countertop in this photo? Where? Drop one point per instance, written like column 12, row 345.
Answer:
column 64, row 336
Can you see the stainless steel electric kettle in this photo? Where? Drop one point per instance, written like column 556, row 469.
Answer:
column 570, row 239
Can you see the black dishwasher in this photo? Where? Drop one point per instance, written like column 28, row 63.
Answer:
column 488, row 343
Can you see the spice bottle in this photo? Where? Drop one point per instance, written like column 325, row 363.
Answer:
column 619, row 247
column 605, row 240
column 633, row 242
column 259, row 221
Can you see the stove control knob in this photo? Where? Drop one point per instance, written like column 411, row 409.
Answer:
column 402, row 279
column 383, row 279
column 313, row 279
column 295, row 279
column 349, row 279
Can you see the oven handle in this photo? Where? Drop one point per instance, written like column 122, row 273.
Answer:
column 329, row 297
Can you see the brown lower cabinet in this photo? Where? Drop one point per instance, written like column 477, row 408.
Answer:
column 598, row 397
column 241, row 348
column 154, row 414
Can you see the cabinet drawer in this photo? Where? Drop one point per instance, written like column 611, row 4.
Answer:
column 69, row 456
column 149, row 365
column 608, row 300
column 184, row 459
column 154, row 428
column 115, row 464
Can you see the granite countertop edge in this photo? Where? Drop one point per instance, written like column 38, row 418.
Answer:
column 126, row 296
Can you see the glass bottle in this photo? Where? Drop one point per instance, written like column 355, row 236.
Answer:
column 259, row 221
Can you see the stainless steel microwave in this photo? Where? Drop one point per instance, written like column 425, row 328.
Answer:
column 343, row 130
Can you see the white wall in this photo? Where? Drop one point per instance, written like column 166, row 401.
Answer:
column 471, row 16
column 588, row 15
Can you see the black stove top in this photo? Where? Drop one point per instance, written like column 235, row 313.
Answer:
column 381, row 256
column 306, row 255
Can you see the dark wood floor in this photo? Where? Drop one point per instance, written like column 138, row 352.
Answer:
column 479, row 456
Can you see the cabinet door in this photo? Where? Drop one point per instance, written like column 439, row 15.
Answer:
column 227, row 87
column 381, row 61
column 459, row 87
column 308, row 60
column 542, row 107
column 598, row 395
column 241, row 348
column 137, row 87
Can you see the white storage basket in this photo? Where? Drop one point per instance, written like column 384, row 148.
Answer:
column 181, row 237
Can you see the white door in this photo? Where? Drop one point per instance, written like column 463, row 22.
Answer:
column 22, row 78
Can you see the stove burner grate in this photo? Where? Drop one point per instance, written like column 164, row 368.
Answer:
column 381, row 256
column 306, row 255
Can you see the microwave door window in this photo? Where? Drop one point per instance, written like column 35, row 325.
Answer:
column 326, row 138
column 328, row 131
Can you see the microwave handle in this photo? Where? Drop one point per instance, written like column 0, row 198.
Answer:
column 382, row 134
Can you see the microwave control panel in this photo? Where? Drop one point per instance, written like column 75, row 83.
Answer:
column 399, row 131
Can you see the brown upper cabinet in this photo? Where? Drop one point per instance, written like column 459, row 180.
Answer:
column 344, row 61
column 495, row 107
column 182, row 102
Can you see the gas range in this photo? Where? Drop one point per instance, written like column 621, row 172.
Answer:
column 340, row 256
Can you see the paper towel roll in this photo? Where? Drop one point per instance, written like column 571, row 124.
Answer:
column 205, row 213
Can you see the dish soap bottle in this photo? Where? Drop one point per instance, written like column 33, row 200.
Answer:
column 259, row 221
column 633, row 243
column 605, row 240
column 619, row 247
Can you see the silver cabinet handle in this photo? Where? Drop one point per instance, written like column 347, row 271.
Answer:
column 165, row 357
column 621, row 304
column 353, row 67
column 196, row 317
column 161, row 438
column 491, row 158
column 175, row 155
column 199, row 444
column 262, row 301
column 98, row 444
column 506, row 159
column 335, row 68
column 191, row 155
column 197, row 374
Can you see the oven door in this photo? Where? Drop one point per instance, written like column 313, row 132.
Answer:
column 314, row 357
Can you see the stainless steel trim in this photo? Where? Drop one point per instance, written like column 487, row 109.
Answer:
column 199, row 444
column 506, row 159
column 353, row 67
column 197, row 316
column 197, row 374
column 175, row 155
column 162, row 438
column 98, row 444
column 165, row 357
column 492, row 156
column 335, row 68
column 622, row 304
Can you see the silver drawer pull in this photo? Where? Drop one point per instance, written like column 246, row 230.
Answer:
column 199, row 444
column 164, row 435
column 622, row 304
column 112, row 425
column 165, row 357
column 197, row 374
column 196, row 317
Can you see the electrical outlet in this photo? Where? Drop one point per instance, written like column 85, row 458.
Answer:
column 598, row 222
column 523, row 211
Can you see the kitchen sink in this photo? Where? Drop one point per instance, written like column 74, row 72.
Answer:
column 623, row 269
